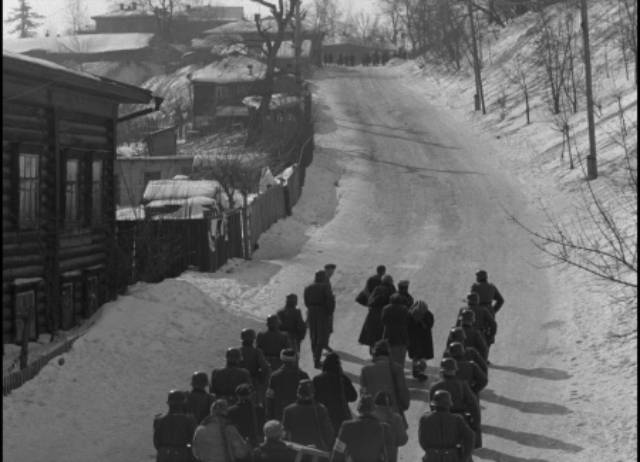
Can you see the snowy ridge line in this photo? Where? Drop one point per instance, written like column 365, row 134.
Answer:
column 18, row 378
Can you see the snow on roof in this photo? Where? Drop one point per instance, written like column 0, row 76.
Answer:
column 48, row 64
column 83, row 43
column 231, row 69
column 278, row 101
column 242, row 26
column 179, row 189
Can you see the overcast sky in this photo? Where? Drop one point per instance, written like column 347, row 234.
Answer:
column 56, row 18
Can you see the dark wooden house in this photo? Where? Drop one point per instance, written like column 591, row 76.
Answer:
column 58, row 213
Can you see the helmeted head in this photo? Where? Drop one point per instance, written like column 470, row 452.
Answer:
column 456, row 334
column 381, row 348
column 403, row 286
column 291, row 300
column 473, row 298
column 481, row 276
column 175, row 399
column 248, row 336
column 219, row 408
column 366, row 405
column 396, row 299
column 456, row 350
column 273, row 322
column 233, row 356
column 441, row 400
column 448, row 367
column 331, row 363
column 381, row 270
column 305, row 390
column 387, row 279
column 467, row 318
column 383, row 398
column 289, row 356
column 320, row 276
column 244, row 391
column 199, row 380
column 273, row 430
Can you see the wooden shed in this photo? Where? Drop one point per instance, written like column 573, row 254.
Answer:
column 58, row 213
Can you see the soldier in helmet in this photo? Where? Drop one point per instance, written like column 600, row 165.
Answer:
column 484, row 320
column 283, row 384
column 487, row 292
column 198, row 401
column 468, row 370
column 172, row 432
column 456, row 334
column 247, row 416
column 475, row 338
column 444, row 437
column 291, row 322
column 320, row 303
column 272, row 342
column 254, row 361
column 464, row 401
column 224, row 381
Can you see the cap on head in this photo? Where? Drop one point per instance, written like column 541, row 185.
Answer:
column 220, row 407
column 331, row 362
column 383, row 398
column 330, row 266
column 305, row 389
column 320, row 276
column 387, row 279
column 404, row 283
column 273, row 321
column 292, row 299
column 381, row 348
column 380, row 270
column 199, row 380
column 288, row 355
column 448, row 366
column 456, row 349
column 244, row 390
column 441, row 399
column 481, row 275
column 273, row 429
column 396, row 299
column 176, row 397
column 233, row 355
column 248, row 335
column 473, row 298
column 366, row 404
column 467, row 318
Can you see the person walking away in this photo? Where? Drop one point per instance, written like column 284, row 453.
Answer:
column 475, row 338
column 372, row 283
column 372, row 329
column 291, row 322
column 420, row 338
column 470, row 353
column 306, row 421
column 468, row 370
column 403, row 291
column 272, row 342
column 172, row 432
column 395, row 319
column 198, row 401
column 363, row 439
column 254, row 361
column 224, row 381
column 247, row 417
column 320, row 305
column 283, row 385
column 488, row 293
column 333, row 389
column 217, row 440
column 273, row 449
column 329, row 269
column 484, row 321
column 444, row 437
column 385, row 375
column 464, row 401
column 385, row 413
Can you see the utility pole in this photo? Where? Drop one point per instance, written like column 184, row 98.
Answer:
column 592, row 165
column 479, row 97
column 298, row 44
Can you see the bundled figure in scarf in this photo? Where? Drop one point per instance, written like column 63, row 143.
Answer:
column 372, row 329
column 420, row 338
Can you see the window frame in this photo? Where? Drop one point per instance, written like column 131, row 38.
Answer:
column 21, row 311
column 20, row 150
column 96, row 218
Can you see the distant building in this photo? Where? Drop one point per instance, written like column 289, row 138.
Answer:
column 331, row 52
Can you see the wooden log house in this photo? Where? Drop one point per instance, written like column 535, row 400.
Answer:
column 58, row 212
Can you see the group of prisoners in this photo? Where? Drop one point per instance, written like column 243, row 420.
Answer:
column 261, row 406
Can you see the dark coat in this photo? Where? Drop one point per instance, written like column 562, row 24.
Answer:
column 254, row 361
column 224, row 382
column 488, row 293
column 272, row 342
column 292, row 324
column 372, row 328
column 395, row 319
column 335, row 398
column 171, row 434
column 407, row 299
column 319, row 297
column 475, row 339
column 274, row 451
column 484, row 321
column 463, row 401
column 364, row 439
column 443, row 430
column 199, row 403
column 472, row 374
column 420, row 337
column 378, row 376
column 308, row 423
column 282, row 391
column 471, row 354
column 248, row 419
column 373, row 282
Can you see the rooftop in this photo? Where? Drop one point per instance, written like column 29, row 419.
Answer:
column 83, row 43
column 231, row 69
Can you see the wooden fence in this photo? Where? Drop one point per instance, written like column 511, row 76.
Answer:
column 264, row 211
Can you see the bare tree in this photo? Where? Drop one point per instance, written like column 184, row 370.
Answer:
column 392, row 11
column 628, row 33
column 77, row 16
column 164, row 11
column 519, row 76
column 324, row 16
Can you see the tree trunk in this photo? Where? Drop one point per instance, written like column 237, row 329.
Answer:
column 592, row 166
column 526, row 104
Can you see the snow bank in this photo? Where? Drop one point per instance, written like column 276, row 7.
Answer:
column 93, row 407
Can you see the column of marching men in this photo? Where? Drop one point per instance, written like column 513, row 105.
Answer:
column 262, row 407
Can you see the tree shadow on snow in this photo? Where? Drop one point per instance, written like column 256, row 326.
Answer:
column 530, row 407
column 498, row 456
column 531, row 439
column 547, row 373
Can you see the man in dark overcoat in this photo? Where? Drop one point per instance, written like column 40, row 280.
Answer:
column 224, row 381
column 470, row 353
column 420, row 338
column 474, row 337
column 329, row 269
column 484, row 321
column 403, row 291
column 254, row 361
column 468, row 370
column 395, row 319
column 172, row 432
column 487, row 292
column 334, row 389
column 291, row 322
column 272, row 342
column 198, row 401
column 372, row 329
column 445, row 437
column 247, row 416
column 320, row 304
column 283, row 384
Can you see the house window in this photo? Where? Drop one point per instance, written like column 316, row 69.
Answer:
column 29, row 175
column 96, row 191
column 25, row 311
column 72, row 197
